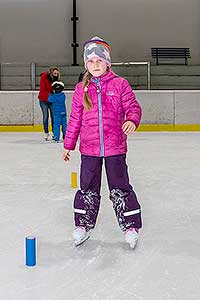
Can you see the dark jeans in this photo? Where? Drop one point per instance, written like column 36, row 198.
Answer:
column 46, row 107
column 122, row 195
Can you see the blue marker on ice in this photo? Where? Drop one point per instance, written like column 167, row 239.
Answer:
column 30, row 251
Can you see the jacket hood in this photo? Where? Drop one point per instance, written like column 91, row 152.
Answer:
column 43, row 74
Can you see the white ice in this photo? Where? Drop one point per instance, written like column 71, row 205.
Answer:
column 36, row 199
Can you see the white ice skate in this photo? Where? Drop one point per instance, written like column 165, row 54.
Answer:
column 52, row 136
column 131, row 237
column 80, row 235
column 46, row 136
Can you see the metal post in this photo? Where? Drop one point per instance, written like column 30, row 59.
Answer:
column 148, row 70
column 33, row 76
column 156, row 56
column 74, row 44
column 148, row 76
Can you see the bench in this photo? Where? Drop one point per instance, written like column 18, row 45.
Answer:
column 170, row 53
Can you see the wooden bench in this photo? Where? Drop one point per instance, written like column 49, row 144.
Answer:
column 170, row 53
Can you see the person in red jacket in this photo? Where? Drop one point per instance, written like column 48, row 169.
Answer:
column 46, row 80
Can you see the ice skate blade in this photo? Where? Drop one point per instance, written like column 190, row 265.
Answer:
column 78, row 243
column 133, row 245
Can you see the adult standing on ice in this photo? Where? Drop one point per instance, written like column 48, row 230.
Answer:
column 104, row 112
column 46, row 80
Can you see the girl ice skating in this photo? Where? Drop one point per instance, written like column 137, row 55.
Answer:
column 104, row 112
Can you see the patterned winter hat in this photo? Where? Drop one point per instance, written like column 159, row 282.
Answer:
column 58, row 86
column 58, row 83
column 96, row 47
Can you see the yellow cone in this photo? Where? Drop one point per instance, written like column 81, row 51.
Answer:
column 74, row 180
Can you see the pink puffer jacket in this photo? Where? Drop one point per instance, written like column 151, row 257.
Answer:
column 101, row 127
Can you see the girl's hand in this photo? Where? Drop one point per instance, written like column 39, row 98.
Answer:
column 128, row 127
column 66, row 155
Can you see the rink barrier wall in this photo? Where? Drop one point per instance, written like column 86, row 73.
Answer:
column 170, row 110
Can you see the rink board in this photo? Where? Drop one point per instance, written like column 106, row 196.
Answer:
column 162, row 110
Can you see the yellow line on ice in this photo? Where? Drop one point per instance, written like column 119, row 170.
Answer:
column 142, row 127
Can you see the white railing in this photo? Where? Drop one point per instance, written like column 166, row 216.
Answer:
column 17, row 75
column 147, row 63
column 22, row 76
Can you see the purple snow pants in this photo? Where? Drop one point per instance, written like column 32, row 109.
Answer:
column 87, row 199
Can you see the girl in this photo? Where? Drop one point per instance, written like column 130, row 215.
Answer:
column 104, row 112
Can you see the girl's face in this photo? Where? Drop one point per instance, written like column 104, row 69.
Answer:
column 96, row 66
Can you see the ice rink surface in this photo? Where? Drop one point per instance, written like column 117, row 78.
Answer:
column 36, row 199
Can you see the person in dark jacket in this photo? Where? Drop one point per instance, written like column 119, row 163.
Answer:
column 46, row 80
column 81, row 76
column 57, row 98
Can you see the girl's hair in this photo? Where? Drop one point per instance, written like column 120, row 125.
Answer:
column 87, row 100
column 86, row 80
